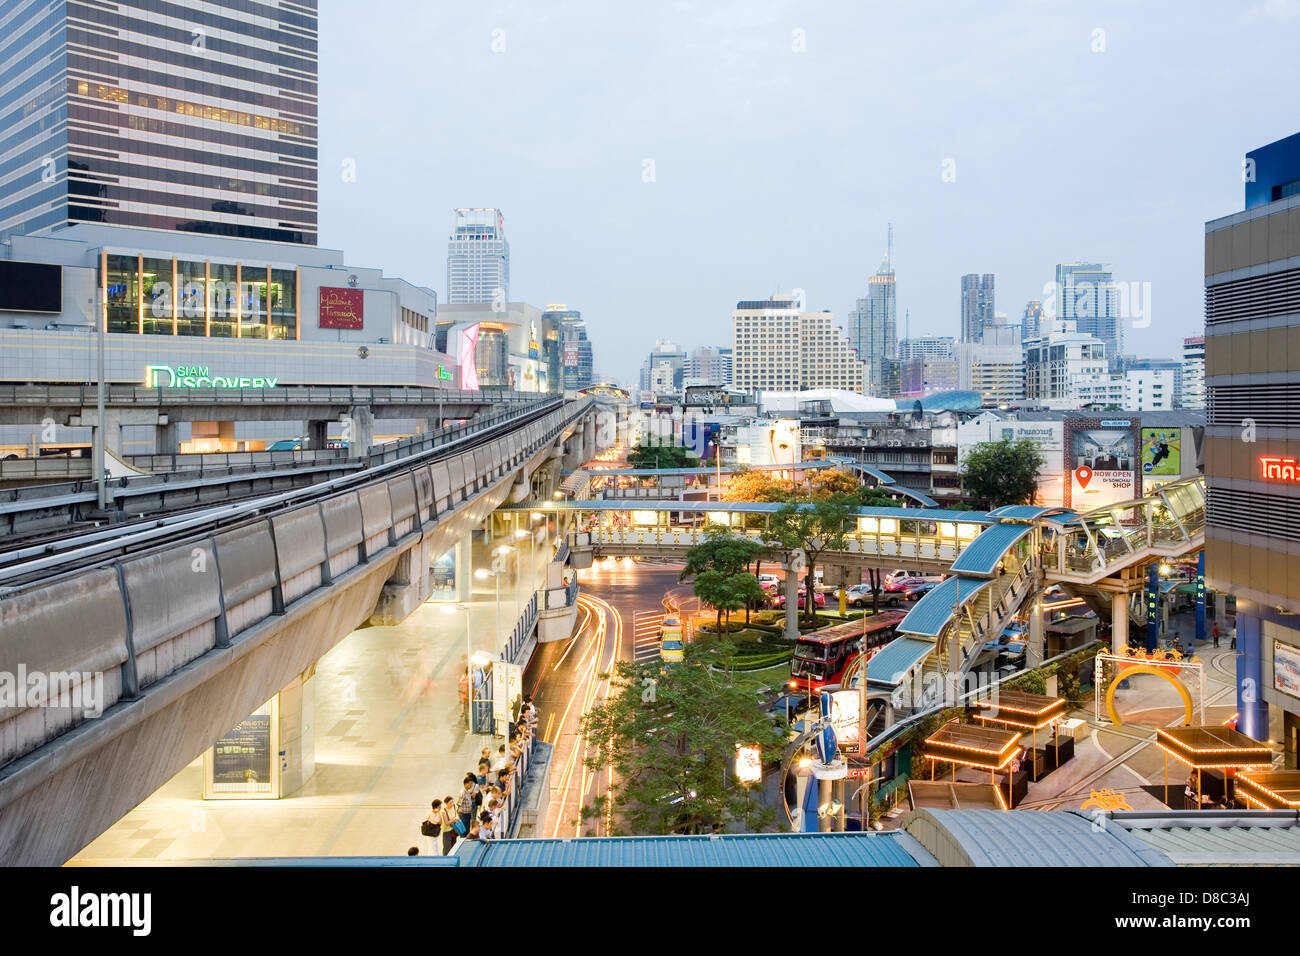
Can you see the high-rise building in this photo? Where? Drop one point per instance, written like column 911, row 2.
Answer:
column 996, row 372
column 926, row 375
column 1149, row 389
column 778, row 348
column 478, row 258
column 1086, row 296
column 1065, row 370
column 1192, row 394
column 1031, row 322
column 1252, row 438
column 976, row 306
column 578, row 362
column 664, row 352
column 873, row 329
column 926, row 346
column 710, row 365
column 190, row 115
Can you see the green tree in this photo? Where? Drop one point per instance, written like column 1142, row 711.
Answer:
column 670, row 737
column 878, row 498
column 829, row 482
column 652, row 455
column 728, row 593
column 723, row 556
column 813, row 527
column 1003, row 472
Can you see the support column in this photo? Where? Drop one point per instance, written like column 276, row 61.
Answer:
column 791, row 602
column 464, row 567
column 1118, row 623
column 1034, row 652
column 1252, row 709
column 362, row 433
column 166, row 437
column 407, row 588
column 317, row 435
column 297, row 710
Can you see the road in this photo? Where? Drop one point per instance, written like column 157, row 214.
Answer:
column 564, row 679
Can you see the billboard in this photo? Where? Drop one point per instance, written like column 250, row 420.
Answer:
column 342, row 308
column 1286, row 668
column 1102, row 460
column 468, row 368
column 1162, row 451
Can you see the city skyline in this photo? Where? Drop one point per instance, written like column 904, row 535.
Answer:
column 566, row 155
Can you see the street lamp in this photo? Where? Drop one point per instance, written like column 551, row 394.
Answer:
column 469, row 663
column 483, row 574
column 520, row 533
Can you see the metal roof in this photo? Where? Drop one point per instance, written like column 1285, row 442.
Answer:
column 1026, row 512
column 708, row 468
column 892, row 663
column 1027, row 838
column 982, row 555
column 890, row 848
column 743, row 507
column 1218, row 837
column 934, row 609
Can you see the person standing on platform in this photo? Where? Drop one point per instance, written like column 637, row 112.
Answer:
column 1215, row 633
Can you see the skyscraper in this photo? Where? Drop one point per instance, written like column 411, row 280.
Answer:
column 200, row 117
column 873, row 329
column 1192, row 392
column 777, row 347
column 976, row 306
column 1031, row 323
column 478, row 258
column 1252, row 360
column 578, row 361
column 1086, row 295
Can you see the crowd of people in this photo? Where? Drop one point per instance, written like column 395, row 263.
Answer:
column 480, row 810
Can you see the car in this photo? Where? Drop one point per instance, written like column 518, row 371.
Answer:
column 769, row 582
column 819, row 599
column 920, row 590
column 860, row 595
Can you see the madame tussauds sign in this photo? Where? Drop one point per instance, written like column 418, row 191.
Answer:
column 198, row 376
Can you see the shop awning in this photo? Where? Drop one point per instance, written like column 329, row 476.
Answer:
column 972, row 746
column 1202, row 748
column 1020, row 709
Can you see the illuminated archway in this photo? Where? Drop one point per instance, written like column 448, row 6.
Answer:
column 1160, row 672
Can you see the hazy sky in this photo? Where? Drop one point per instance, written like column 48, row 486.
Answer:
column 775, row 169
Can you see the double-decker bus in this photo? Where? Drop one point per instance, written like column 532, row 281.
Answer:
column 820, row 658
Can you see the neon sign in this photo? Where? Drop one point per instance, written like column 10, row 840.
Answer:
column 1278, row 469
column 198, row 376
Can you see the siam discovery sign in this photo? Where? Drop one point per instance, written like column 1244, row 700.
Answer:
column 1278, row 469
column 198, row 376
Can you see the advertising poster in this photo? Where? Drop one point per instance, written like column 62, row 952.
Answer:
column 1286, row 668
column 1162, row 451
column 1102, row 462
column 243, row 756
column 342, row 308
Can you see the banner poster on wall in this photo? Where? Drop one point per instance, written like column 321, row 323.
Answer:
column 1102, row 458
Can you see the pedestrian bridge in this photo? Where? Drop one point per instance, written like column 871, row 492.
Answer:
column 189, row 625
column 612, row 484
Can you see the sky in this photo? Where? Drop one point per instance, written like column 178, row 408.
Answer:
column 657, row 162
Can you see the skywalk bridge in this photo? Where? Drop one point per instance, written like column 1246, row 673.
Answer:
column 191, row 625
column 998, row 562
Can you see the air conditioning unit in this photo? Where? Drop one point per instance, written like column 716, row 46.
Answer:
column 893, row 443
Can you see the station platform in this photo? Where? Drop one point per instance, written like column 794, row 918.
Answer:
column 389, row 739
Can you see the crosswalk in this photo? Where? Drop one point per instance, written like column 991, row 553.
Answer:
column 645, row 636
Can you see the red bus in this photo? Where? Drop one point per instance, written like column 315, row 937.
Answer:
column 820, row 658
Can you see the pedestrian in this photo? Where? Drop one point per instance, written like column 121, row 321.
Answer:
column 499, row 761
column 412, row 851
column 1178, row 644
column 1233, row 634
column 465, row 803
column 431, row 829
column 463, row 689
column 1215, row 633
column 449, row 820
column 481, row 778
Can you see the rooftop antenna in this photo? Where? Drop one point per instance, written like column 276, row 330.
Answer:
column 889, row 243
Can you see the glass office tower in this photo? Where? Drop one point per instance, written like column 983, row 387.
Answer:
column 197, row 115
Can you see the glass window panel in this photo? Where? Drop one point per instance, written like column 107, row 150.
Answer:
column 156, row 280
column 283, row 305
column 122, row 284
column 252, row 303
column 189, row 298
column 223, row 300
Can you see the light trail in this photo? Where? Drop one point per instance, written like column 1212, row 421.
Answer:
column 584, row 686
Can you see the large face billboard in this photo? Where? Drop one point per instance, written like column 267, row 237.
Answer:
column 1162, row 451
column 1102, row 461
